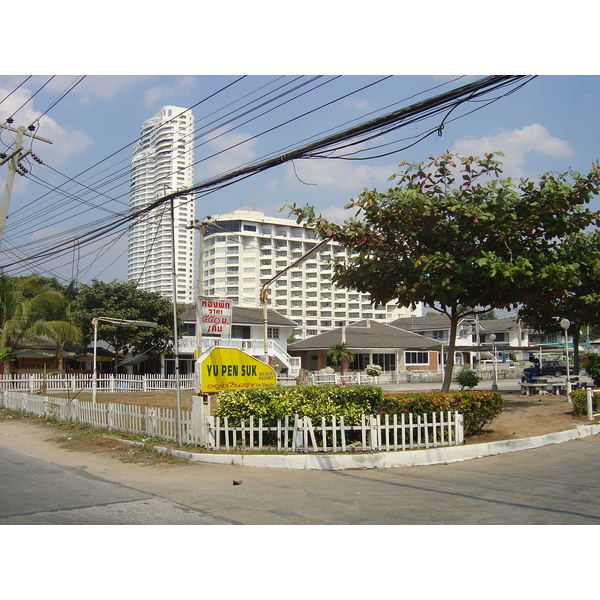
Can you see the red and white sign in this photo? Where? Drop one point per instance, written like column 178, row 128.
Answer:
column 215, row 316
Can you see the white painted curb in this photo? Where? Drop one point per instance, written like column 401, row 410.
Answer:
column 383, row 460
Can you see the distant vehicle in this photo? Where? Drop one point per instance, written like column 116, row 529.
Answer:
column 555, row 368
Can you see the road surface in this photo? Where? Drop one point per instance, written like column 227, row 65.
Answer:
column 42, row 483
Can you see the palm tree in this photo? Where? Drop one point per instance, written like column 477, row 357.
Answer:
column 25, row 303
column 340, row 355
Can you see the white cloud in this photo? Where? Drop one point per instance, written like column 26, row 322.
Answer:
column 516, row 145
column 337, row 214
column 159, row 94
column 65, row 141
column 340, row 175
column 234, row 150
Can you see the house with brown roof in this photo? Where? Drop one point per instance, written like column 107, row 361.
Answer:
column 371, row 342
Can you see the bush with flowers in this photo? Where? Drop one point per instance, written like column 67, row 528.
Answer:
column 373, row 370
column 479, row 408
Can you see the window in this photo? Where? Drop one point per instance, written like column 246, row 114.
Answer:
column 273, row 333
column 416, row 358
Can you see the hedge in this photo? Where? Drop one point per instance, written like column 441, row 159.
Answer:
column 479, row 408
column 314, row 401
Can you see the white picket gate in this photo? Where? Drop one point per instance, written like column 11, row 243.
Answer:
column 404, row 432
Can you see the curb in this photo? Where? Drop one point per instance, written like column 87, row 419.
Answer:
column 386, row 460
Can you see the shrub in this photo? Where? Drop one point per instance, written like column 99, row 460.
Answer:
column 314, row 401
column 467, row 378
column 373, row 370
column 479, row 408
column 590, row 361
column 579, row 399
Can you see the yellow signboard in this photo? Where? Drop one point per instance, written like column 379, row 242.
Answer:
column 231, row 369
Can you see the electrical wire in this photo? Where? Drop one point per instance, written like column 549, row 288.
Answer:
column 370, row 130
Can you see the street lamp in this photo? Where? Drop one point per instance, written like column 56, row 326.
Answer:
column 495, row 376
column 565, row 324
column 112, row 321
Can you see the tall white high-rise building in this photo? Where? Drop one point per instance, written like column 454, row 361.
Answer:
column 162, row 163
column 244, row 249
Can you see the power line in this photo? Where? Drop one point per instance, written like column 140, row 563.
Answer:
column 371, row 129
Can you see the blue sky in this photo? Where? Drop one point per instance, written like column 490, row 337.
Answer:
column 551, row 124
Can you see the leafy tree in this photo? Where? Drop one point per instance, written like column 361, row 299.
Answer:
column 458, row 238
column 125, row 301
column 580, row 303
column 489, row 316
column 339, row 354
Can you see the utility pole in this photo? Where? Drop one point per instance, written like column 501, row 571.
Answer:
column 13, row 159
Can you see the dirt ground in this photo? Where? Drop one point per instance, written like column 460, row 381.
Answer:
column 522, row 416
column 530, row 416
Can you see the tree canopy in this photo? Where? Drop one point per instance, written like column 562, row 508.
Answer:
column 580, row 304
column 456, row 236
column 125, row 301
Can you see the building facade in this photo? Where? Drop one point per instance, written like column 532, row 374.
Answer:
column 244, row 249
column 162, row 163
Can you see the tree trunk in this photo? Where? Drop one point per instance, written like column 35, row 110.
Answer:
column 449, row 367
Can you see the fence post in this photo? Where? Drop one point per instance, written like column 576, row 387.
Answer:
column 109, row 416
column 200, row 411
column 150, row 421
column 460, row 430
column 590, row 403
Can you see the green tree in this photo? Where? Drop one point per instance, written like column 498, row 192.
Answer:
column 580, row 303
column 55, row 324
column 454, row 235
column 339, row 354
column 23, row 301
column 125, row 301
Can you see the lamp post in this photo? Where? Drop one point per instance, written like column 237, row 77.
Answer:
column 495, row 372
column 565, row 324
column 113, row 321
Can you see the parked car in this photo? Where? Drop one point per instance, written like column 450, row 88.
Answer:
column 548, row 368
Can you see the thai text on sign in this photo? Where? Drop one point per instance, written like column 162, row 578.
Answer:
column 231, row 369
column 215, row 316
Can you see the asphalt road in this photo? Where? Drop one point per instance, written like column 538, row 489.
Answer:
column 34, row 491
column 558, row 484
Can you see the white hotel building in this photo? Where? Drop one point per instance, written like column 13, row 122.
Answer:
column 162, row 163
column 244, row 249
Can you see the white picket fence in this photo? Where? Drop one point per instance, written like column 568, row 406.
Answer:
column 130, row 418
column 404, row 432
column 395, row 432
column 38, row 382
